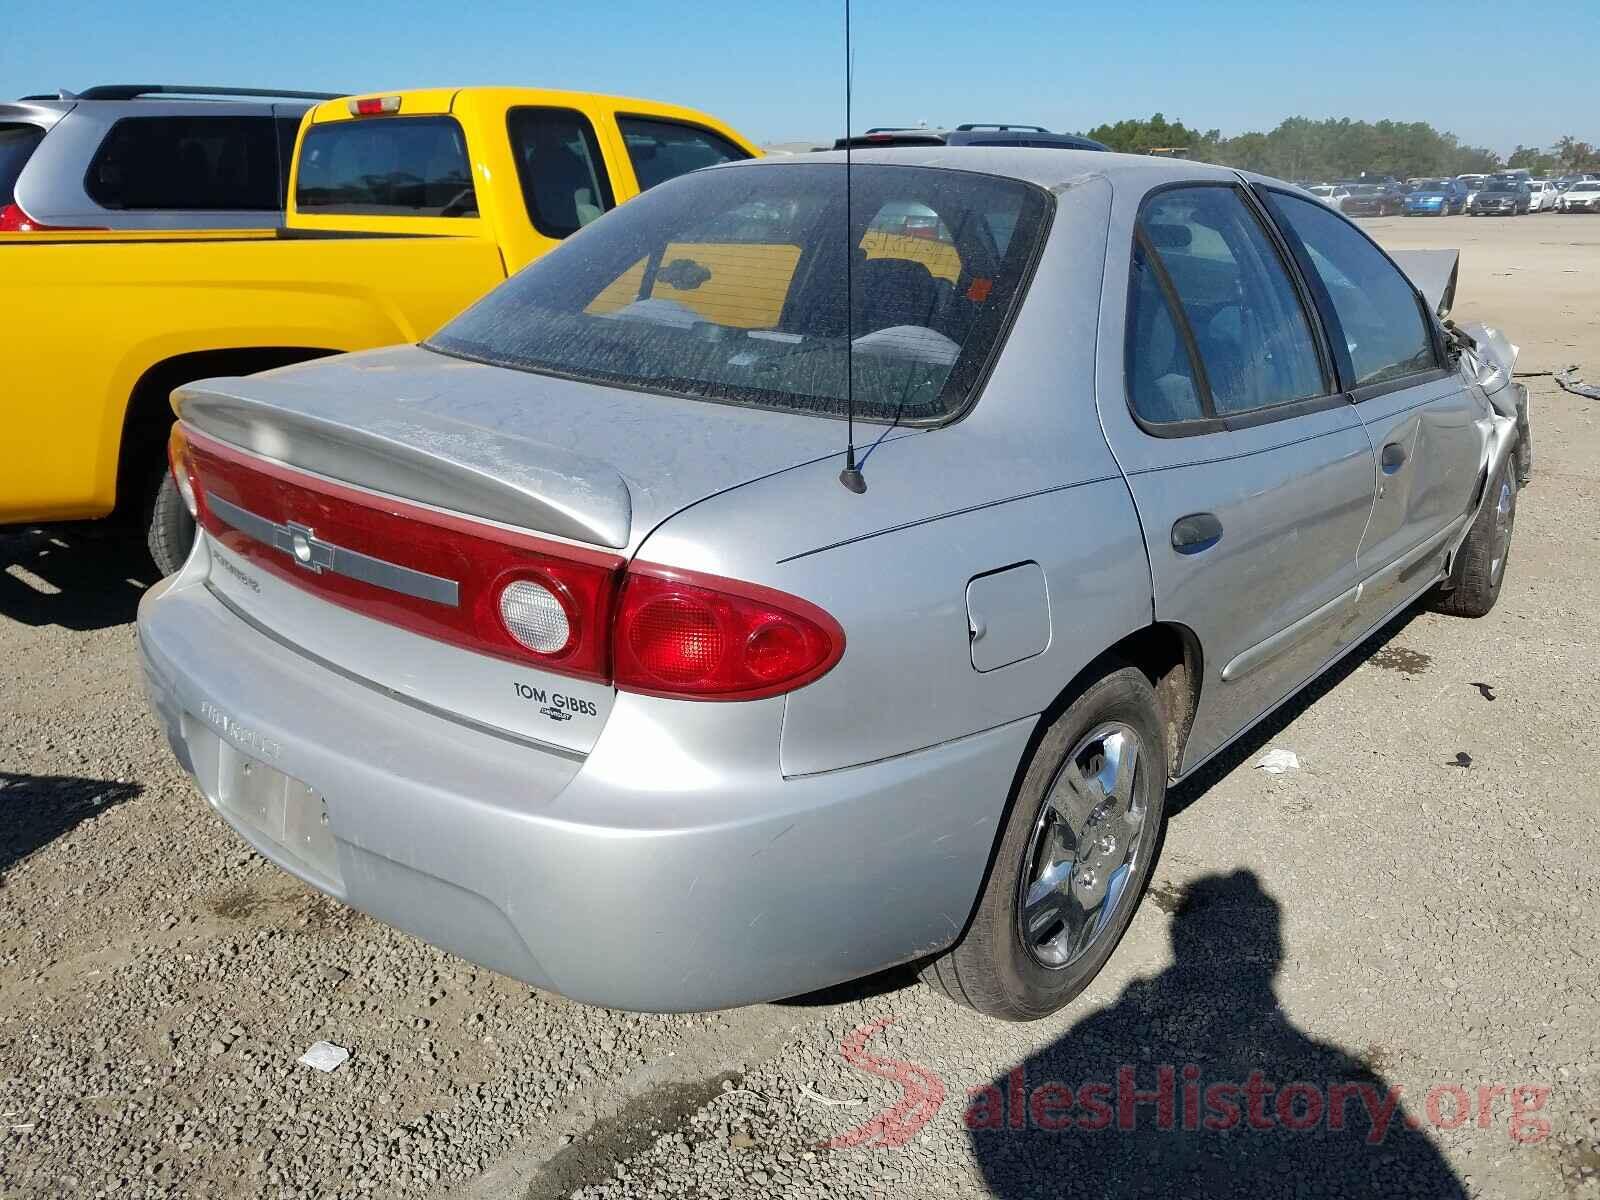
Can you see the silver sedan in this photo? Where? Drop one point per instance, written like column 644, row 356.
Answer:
column 759, row 591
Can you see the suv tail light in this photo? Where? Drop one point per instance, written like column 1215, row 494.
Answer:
column 564, row 608
column 14, row 220
column 699, row 637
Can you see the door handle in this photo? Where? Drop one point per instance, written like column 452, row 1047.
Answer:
column 1195, row 533
column 1394, row 457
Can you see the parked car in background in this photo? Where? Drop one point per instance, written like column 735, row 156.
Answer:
column 972, row 134
column 1470, row 184
column 148, row 157
column 1332, row 194
column 403, row 209
column 514, row 640
column 1371, row 200
column 1543, row 195
column 1500, row 197
column 1435, row 198
column 1583, row 196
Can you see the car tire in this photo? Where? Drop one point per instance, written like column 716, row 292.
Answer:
column 169, row 529
column 1480, row 566
column 1098, row 846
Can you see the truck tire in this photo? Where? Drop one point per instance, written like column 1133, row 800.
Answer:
column 1074, row 855
column 1480, row 566
column 169, row 529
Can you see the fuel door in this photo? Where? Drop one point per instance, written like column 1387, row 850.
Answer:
column 1008, row 616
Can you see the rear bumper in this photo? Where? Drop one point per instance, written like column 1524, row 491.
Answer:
column 672, row 869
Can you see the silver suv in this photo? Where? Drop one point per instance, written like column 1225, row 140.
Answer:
column 148, row 156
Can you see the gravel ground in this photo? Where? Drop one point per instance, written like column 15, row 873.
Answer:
column 1417, row 907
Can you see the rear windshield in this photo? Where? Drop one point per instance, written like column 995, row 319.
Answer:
column 16, row 144
column 189, row 164
column 386, row 167
column 731, row 285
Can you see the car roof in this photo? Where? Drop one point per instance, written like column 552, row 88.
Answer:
column 1046, row 166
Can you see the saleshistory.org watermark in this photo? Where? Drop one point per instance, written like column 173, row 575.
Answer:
column 1181, row 1098
column 1173, row 1098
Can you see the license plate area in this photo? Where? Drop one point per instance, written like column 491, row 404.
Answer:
column 289, row 815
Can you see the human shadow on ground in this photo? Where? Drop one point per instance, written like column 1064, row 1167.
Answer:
column 1195, row 1083
column 35, row 810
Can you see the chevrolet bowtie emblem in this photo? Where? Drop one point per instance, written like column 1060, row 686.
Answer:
column 304, row 548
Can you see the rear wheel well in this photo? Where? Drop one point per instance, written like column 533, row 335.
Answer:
column 148, row 418
column 1170, row 657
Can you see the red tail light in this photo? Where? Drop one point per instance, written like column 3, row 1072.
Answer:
column 699, row 637
column 374, row 106
column 480, row 559
column 14, row 220
column 565, row 608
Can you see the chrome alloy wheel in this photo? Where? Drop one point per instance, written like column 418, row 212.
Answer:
column 1505, row 506
column 1087, row 846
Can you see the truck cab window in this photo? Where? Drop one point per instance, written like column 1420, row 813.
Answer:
column 563, row 177
column 386, row 166
column 663, row 150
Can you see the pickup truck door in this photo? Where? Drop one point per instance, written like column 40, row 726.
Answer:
column 1251, row 473
column 1418, row 411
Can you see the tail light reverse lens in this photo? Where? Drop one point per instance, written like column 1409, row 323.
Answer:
column 705, row 638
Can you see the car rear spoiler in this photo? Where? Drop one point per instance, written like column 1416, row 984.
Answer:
column 1434, row 274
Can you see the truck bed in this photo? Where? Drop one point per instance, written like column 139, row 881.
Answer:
column 92, row 312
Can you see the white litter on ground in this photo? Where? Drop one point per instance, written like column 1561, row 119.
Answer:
column 325, row 1056
column 1276, row 761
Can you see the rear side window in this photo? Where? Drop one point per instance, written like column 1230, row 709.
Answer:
column 1237, row 298
column 16, row 144
column 1161, row 374
column 386, row 167
column 563, row 177
column 663, row 150
column 1384, row 332
column 219, row 164
column 742, row 286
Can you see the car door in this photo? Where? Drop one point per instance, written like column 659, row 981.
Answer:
column 1252, row 476
column 1418, row 411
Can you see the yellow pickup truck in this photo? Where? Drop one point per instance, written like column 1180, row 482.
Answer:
column 403, row 208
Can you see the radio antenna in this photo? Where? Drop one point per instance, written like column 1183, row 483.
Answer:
column 851, row 476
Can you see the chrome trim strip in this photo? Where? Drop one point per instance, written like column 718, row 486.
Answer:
column 432, row 710
column 325, row 556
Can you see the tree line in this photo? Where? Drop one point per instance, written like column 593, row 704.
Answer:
column 1339, row 148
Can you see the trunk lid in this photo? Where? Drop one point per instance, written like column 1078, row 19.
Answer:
column 365, row 510
column 583, row 461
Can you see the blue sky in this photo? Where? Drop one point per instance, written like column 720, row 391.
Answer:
column 775, row 70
